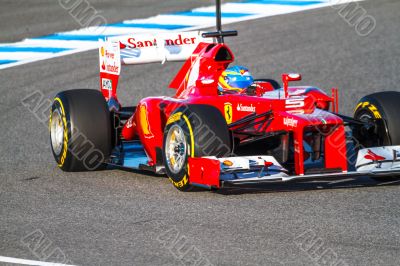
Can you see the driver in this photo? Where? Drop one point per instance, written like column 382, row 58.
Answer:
column 235, row 79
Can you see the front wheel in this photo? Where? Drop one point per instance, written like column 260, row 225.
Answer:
column 193, row 131
column 379, row 111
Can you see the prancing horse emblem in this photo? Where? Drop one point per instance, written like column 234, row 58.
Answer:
column 228, row 112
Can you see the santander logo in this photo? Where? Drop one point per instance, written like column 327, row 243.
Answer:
column 180, row 40
column 245, row 108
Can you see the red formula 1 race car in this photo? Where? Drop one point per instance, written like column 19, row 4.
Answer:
column 207, row 137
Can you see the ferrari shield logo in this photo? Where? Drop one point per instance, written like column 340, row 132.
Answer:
column 228, row 112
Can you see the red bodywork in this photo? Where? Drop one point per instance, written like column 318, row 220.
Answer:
column 302, row 109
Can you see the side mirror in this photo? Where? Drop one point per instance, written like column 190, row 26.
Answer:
column 291, row 77
column 286, row 78
column 207, row 86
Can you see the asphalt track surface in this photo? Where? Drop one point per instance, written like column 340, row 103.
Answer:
column 120, row 218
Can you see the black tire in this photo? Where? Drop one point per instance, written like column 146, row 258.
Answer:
column 273, row 83
column 204, row 132
column 85, row 124
column 381, row 110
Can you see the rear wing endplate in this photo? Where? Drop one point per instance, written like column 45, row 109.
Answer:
column 142, row 49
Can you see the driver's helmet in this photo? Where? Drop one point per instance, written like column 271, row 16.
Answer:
column 235, row 78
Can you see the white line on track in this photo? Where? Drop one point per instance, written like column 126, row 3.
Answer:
column 30, row 262
column 255, row 10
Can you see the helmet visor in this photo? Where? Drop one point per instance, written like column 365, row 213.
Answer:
column 238, row 81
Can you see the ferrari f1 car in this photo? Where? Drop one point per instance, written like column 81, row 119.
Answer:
column 208, row 138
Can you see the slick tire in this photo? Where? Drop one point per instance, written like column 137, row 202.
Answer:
column 381, row 109
column 80, row 130
column 193, row 131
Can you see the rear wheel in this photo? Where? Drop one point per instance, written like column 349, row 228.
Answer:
column 80, row 130
column 193, row 131
column 380, row 112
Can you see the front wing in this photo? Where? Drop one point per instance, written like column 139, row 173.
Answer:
column 219, row 172
column 229, row 171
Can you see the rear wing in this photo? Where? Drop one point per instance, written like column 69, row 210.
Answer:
column 142, row 49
